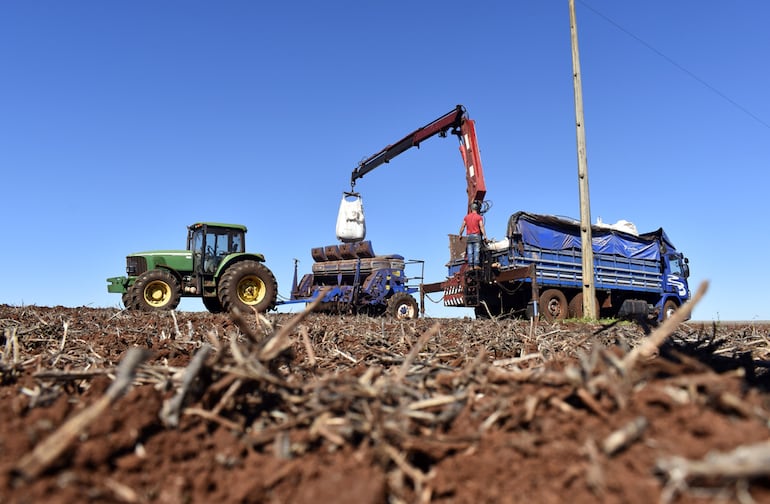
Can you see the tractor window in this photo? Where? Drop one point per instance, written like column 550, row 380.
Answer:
column 237, row 245
column 212, row 244
column 218, row 243
column 195, row 245
column 197, row 240
column 211, row 254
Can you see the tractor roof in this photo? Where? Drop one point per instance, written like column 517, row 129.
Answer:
column 197, row 225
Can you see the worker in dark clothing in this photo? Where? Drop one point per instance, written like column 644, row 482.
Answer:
column 473, row 225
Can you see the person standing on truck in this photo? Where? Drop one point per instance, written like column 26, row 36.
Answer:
column 473, row 225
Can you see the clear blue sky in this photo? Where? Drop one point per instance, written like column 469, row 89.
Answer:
column 123, row 122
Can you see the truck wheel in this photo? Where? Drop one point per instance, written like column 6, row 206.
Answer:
column 402, row 306
column 155, row 290
column 248, row 285
column 553, row 305
column 669, row 307
column 576, row 306
column 212, row 304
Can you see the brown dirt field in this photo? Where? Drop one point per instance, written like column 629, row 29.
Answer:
column 372, row 410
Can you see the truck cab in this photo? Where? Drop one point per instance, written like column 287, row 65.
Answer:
column 676, row 270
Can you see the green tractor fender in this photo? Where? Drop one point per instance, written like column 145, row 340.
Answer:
column 171, row 270
column 231, row 259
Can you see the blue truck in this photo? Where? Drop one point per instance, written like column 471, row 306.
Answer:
column 537, row 269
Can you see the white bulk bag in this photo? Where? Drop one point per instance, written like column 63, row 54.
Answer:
column 351, row 226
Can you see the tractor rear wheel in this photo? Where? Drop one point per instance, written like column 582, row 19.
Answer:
column 402, row 306
column 247, row 286
column 154, row 290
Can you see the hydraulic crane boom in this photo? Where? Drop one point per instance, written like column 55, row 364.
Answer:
column 455, row 122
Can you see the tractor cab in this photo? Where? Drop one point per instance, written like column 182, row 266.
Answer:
column 211, row 242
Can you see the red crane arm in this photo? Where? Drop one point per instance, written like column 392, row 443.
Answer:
column 474, row 174
column 460, row 126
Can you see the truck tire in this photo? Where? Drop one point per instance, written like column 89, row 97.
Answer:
column 246, row 286
column 576, row 306
column 669, row 307
column 154, row 290
column 553, row 305
column 402, row 306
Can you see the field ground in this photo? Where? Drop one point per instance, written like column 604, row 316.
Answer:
column 104, row 405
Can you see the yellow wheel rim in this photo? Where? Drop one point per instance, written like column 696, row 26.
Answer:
column 251, row 290
column 157, row 294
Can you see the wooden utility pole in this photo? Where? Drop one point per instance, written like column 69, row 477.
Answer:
column 589, row 291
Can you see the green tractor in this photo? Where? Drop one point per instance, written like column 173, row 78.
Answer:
column 215, row 267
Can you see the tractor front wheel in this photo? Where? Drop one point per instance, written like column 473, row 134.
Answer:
column 402, row 306
column 126, row 298
column 247, row 286
column 154, row 290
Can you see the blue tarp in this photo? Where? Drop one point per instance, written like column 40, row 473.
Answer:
column 558, row 233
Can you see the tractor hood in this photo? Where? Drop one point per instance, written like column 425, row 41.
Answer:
column 162, row 252
column 179, row 260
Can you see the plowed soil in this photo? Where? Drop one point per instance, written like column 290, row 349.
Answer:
column 104, row 405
